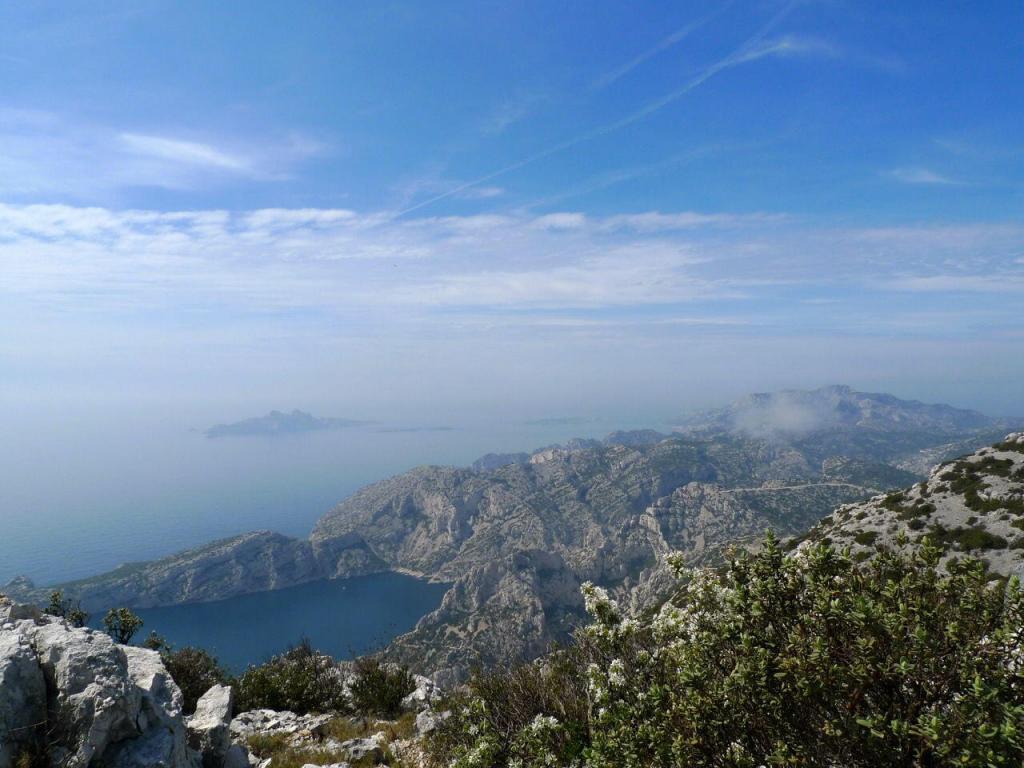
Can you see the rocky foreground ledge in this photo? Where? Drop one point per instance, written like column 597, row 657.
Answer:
column 72, row 697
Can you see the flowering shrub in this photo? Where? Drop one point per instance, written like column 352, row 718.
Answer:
column 804, row 660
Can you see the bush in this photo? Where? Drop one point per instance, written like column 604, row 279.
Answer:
column 195, row 671
column 69, row 610
column 378, row 688
column 804, row 660
column 300, row 680
column 866, row 538
column 509, row 703
column 121, row 624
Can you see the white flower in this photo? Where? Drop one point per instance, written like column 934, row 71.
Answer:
column 617, row 673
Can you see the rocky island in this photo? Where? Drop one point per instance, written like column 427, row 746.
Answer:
column 278, row 423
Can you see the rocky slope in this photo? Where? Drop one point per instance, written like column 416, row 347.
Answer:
column 517, row 541
column 252, row 562
column 971, row 506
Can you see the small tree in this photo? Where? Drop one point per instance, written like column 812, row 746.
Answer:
column 71, row 611
column 121, row 624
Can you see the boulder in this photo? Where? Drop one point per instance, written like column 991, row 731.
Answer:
column 90, row 695
column 22, row 695
column 163, row 739
column 428, row 720
column 362, row 750
column 426, row 693
column 209, row 729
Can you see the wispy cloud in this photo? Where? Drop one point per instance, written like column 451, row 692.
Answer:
column 1003, row 282
column 483, row 193
column 511, row 111
column 189, row 152
column 45, row 153
column 919, row 175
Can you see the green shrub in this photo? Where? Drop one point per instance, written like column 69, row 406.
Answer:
column 866, row 538
column 1004, row 446
column 301, row 680
column 894, row 501
column 378, row 688
column 966, row 479
column 916, row 511
column 66, row 609
column 806, row 660
column 967, row 538
column 195, row 670
column 121, row 624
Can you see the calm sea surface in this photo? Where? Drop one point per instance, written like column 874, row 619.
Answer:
column 340, row 617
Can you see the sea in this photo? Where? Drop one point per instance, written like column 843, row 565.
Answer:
column 344, row 618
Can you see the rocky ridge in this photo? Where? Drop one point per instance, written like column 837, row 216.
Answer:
column 971, row 506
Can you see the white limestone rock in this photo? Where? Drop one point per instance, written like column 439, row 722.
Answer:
column 209, row 729
column 22, row 695
column 428, row 720
column 360, row 750
column 426, row 693
column 98, row 702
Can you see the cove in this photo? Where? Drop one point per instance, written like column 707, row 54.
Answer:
column 341, row 617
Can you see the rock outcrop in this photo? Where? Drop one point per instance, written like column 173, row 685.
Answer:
column 209, row 728
column 98, row 702
column 972, row 506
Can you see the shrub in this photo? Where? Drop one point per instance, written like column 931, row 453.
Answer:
column 300, row 680
column 66, row 609
column 195, row 670
column 121, row 624
column 502, row 706
column 803, row 660
column 866, row 538
column 968, row 538
column 378, row 688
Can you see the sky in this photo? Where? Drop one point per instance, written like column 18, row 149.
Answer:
column 526, row 209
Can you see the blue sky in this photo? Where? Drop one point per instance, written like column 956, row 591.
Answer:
column 552, row 207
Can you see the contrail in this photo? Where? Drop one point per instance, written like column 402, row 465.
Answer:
column 676, row 37
column 750, row 50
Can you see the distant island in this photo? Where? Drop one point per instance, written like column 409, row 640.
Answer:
column 279, row 423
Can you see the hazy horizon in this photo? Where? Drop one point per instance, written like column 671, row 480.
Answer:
column 483, row 215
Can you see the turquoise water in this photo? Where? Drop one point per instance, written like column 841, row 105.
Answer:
column 340, row 617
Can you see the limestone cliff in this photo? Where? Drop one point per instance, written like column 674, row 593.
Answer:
column 971, row 506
